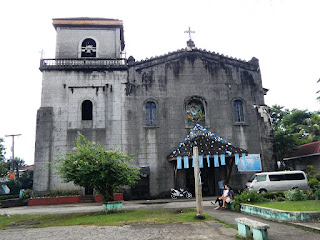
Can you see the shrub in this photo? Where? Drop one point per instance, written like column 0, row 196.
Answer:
column 273, row 196
column 27, row 194
column 56, row 193
column 248, row 197
column 295, row 195
column 314, row 183
column 316, row 194
column 14, row 186
column 310, row 195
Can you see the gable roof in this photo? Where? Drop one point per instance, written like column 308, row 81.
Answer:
column 251, row 65
column 305, row 150
column 207, row 142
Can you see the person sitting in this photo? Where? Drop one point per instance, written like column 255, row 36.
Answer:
column 228, row 196
column 220, row 199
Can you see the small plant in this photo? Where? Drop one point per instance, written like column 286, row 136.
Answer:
column 310, row 195
column 316, row 194
column 56, row 193
column 248, row 197
column 27, row 194
column 274, row 196
column 295, row 195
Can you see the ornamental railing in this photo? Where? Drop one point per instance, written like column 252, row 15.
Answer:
column 82, row 63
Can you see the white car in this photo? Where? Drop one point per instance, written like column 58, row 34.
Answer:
column 277, row 181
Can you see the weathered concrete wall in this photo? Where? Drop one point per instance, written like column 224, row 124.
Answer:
column 119, row 98
column 173, row 79
column 64, row 92
column 302, row 163
column 69, row 42
column 42, row 158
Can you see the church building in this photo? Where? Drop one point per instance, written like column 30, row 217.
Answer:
column 162, row 106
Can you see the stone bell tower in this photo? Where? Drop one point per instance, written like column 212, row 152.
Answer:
column 81, row 91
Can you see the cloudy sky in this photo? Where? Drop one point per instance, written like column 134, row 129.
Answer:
column 283, row 34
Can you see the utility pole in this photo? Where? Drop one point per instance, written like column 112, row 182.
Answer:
column 12, row 148
column 197, row 184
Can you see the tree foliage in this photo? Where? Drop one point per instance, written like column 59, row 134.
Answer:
column 3, row 163
column 90, row 165
column 293, row 128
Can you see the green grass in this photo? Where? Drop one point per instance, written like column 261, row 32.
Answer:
column 300, row 206
column 142, row 216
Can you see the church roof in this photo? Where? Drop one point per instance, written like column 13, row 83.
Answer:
column 305, row 150
column 252, row 65
column 207, row 142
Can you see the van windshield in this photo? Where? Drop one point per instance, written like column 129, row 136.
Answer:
column 252, row 177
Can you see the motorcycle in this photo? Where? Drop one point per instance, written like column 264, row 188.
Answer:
column 180, row 193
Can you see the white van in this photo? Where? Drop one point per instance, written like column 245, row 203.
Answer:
column 278, row 181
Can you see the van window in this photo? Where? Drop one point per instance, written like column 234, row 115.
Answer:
column 261, row 178
column 252, row 178
column 295, row 176
column 278, row 177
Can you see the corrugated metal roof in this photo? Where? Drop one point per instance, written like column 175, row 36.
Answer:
column 305, row 150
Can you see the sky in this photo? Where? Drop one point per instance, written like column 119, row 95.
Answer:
column 283, row 34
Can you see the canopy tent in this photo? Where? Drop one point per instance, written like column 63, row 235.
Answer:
column 209, row 145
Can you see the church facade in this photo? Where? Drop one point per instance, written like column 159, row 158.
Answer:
column 149, row 105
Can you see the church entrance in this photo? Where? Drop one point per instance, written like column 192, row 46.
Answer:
column 209, row 179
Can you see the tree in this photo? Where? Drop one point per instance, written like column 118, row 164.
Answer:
column 318, row 98
column 293, row 128
column 26, row 179
column 90, row 165
column 3, row 163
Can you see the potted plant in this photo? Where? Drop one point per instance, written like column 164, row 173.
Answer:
column 89, row 164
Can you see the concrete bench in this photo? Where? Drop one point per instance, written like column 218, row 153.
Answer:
column 259, row 230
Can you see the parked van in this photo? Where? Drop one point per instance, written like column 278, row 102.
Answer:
column 278, row 181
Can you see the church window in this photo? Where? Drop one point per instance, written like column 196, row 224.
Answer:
column 195, row 111
column 151, row 114
column 238, row 111
column 88, row 48
column 86, row 109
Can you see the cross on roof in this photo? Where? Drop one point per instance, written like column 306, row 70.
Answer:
column 189, row 31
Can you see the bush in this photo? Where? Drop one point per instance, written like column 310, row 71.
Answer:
column 27, row 194
column 316, row 194
column 295, row 195
column 274, row 196
column 56, row 193
column 314, row 183
column 14, row 186
column 248, row 197
column 310, row 195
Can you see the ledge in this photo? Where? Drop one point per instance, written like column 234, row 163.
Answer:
column 279, row 215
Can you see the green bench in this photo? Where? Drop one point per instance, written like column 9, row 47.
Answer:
column 259, row 230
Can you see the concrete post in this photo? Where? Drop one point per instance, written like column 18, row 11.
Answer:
column 197, row 181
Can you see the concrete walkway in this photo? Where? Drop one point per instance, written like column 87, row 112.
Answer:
column 207, row 230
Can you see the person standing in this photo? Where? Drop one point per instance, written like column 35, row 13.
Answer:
column 220, row 185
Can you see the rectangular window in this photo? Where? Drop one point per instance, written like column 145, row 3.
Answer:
column 261, row 178
column 238, row 111
column 294, row 176
column 278, row 177
column 151, row 118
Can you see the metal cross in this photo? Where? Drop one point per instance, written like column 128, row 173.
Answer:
column 189, row 31
column 42, row 53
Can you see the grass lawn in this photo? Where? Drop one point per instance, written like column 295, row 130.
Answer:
column 141, row 216
column 300, row 206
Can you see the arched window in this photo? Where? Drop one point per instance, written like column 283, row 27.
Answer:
column 151, row 113
column 238, row 111
column 195, row 111
column 88, row 48
column 86, row 109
